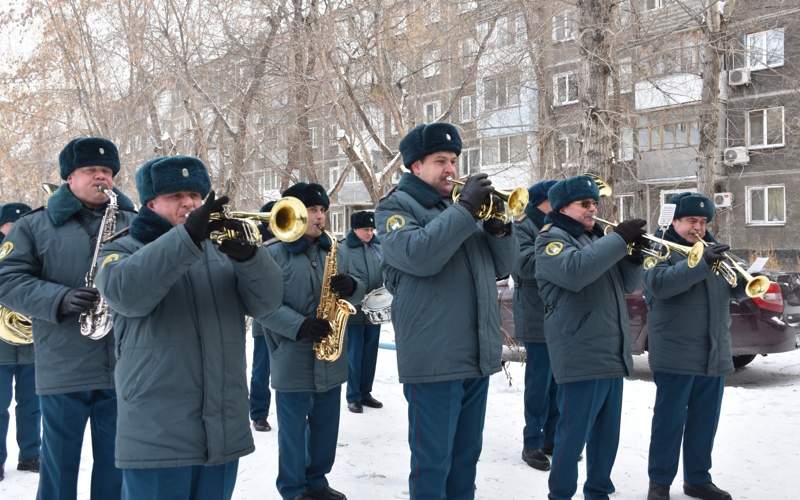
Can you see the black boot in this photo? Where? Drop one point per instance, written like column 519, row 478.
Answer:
column 30, row 465
column 2, row 473
column 708, row 491
column 327, row 493
column 355, row 407
column 536, row 459
column 261, row 425
column 371, row 402
column 658, row 491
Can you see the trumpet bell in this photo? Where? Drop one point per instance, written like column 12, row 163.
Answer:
column 757, row 286
column 516, row 201
column 287, row 220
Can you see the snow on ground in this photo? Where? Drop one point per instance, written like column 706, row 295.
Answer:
column 757, row 453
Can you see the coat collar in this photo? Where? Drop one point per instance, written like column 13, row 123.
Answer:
column 354, row 242
column 570, row 225
column 62, row 204
column 536, row 215
column 420, row 190
column 303, row 244
column 147, row 226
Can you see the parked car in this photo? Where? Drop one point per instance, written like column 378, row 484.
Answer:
column 766, row 325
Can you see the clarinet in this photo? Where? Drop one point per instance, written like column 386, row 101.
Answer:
column 96, row 322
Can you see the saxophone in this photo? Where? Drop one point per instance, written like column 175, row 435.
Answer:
column 96, row 322
column 333, row 309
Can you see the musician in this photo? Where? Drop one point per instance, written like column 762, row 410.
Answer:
column 441, row 265
column 541, row 408
column 689, row 346
column 260, row 396
column 307, row 390
column 583, row 277
column 16, row 372
column 43, row 276
column 361, row 257
column 179, row 306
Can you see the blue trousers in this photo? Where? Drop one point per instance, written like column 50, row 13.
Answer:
column 308, row 426
column 541, row 405
column 362, row 357
column 64, row 419
column 193, row 482
column 445, row 434
column 259, row 380
column 590, row 413
column 687, row 410
column 27, row 413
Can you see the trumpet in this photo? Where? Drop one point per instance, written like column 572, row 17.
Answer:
column 515, row 202
column 287, row 220
column 728, row 269
column 693, row 253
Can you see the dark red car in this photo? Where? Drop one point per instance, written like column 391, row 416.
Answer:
column 758, row 326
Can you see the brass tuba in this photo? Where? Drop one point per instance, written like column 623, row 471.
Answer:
column 515, row 202
column 333, row 309
column 15, row 329
column 287, row 220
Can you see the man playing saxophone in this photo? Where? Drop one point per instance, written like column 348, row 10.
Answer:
column 16, row 377
column 689, row 346
column 307, row 389
column 441, row 265
column 43, row 275
column 179, row 306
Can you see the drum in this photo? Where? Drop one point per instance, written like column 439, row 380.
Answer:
column 377, row 306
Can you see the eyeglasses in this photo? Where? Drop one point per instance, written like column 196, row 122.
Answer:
column 587, row 203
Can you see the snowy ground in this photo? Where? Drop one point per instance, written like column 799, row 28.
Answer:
column 757, row 453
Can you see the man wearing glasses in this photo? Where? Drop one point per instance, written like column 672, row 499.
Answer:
column 583, row 277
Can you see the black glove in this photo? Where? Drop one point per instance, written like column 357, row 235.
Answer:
column 496, row 227
column 714, row 253
column 314, row 329
column 197, row 222
column 631, row 230
column 77, row 300
column 475, row 191
column 238, row 250
column 343, row 284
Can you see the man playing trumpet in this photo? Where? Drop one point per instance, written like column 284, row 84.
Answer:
column 689, row 346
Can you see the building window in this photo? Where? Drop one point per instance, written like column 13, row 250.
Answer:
column 333, row 173
column 765, row 128
column 625, row 152
column 503, row 32
column 431, row 64
column 654, row 4
column 333, row 134
column 336, row 222
column 271, row 180
column 467, row 5
column 521, row 32
column 668, row 194
column 314, row 139
column 504, row 150
column 624, row 204
column 467, row 108
column 564, row 26
column 566, row 150
column 764, row 49
column 669, row 136
column 469, row 48
column 490, row 152
column 432, row 111
column 470, row 160
column 766, row 205
column 501, row 91
column 565, row 89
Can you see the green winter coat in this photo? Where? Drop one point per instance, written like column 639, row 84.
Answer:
column 293, row 366
column 51, row 255
column 360, row 259
column 179, row 314
column 583, row 278
column 528, row 305
column 441, row 268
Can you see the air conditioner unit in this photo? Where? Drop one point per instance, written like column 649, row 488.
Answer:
column 739, row 77
column 723, row 200
column 736, row 156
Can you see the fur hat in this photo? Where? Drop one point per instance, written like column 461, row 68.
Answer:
column 88, row 152
column 10, row 212
column 267, row 207
column 538, row 192
column 423, row 140
column 171, row 174
column 362, row 219
column 309, row 193
column 575, row 188
column 693, row 204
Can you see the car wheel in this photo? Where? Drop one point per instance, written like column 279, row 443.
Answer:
column 743, row 360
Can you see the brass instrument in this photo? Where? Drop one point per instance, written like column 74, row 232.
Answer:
column 15, row 329
column 727, row 269
column 602, row 186
column 515, row 202
column 96, row 322
column 332, row 309
column 693, row 253
column 287, row 220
